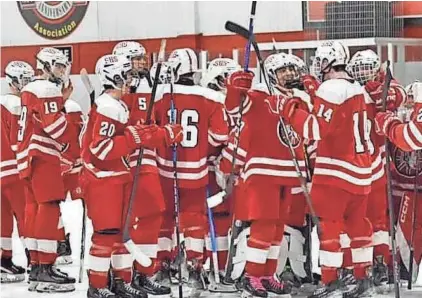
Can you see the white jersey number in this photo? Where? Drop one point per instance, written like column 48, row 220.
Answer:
column 107, row 129
column 50, row 107
column 22, row 123
column 189, row 120
column 142, row 103
column 362, row 127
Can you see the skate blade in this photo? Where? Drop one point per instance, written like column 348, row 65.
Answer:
column 221, row 288
column 32, row 286
column 64, row 260
column 47, row 287
column 12, row 278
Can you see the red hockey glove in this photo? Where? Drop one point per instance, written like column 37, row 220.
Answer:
column 241, row 80
column 374, row 89
column 282, row 105
column 383, row 120
column 311, row 84
column 173, row 134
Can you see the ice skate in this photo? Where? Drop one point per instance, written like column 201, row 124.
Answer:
column 32, row 277
column 125, row 290
column 64, row 252
column 51, row 280
column 163, row 276
column 221, row 287
column 252, row 287
column 144, row 283
column 276, row 287
column 333, row 289
column 380, row 276
column 364, row 288
column 100, row 293
column 195, row 283
column 10, row 272
column 288, row 277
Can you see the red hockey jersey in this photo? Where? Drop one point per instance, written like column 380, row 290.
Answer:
column 44, row 131
column 138, row 104
column 105, row 151
column 201, row 113
column 263, row 153
column 10, row 113
column 339, row 123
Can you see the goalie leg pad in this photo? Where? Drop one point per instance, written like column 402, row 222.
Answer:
column 239, row 258
column 296, row 254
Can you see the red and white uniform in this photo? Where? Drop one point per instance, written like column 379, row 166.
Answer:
column 12, row 194
column 71, row 159
column 201, row 113
column 107, row 178
column 149, row 203
column 343, row 170
column 43, row 135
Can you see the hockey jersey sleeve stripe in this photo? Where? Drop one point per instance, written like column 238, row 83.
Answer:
column 14, row 148
column 344, row 164
column 8, row 163
column 408, row 139
column 47, row 141
column 214, row 143
column 186, row 176
column 379, row 174
column 100, row 146
column 415, row 132
column 311, row 124
column 343, row 176
column 182, row 164
column 218, row 137
column 59, row 132
column 8, row 172
column 106, row 150
column 229, row 157
column 239, row 151
column 48, row 129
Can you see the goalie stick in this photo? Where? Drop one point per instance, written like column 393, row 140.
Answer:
column 140, row 257
column 88, row 85
column 237, row 225
column 236, row 28
column 396, row 276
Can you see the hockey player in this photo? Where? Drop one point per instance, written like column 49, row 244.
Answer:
column 342, row 175
column 364, row 68
column 215, row 77
column 137, row 54
column 406, row 137
column 201, row 113
column 285, row 72
column 18, row 74
column 43, row 136
column 267, row 178
column 107, row 142
column 149, row 203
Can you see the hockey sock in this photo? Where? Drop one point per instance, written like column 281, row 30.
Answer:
column 274, row 251
column 46, row 231
column 121, row 262
column 99, row 258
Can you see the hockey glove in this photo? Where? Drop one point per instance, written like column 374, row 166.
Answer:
column 282, row 105
column 173, row 134
column 152, row 136
column 311, row 84
column 383, row 121
column 237, row 84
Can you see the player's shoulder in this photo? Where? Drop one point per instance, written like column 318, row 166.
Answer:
column 43, row 89
column 72, row 106
column 337, row 91
column 111, row 108
column 206, row 93
column 12, row 103
column 144, row 87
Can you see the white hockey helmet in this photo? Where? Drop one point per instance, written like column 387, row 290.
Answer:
column 18, row 74
column 53, row 63
column 278, row 61
column 327, row 55
column 183, row 61
column 163, row 76
column 218, row 70
column 130, row 49
column 112, row 70
column 364, row 66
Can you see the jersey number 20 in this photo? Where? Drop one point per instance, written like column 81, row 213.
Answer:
column 189, row 120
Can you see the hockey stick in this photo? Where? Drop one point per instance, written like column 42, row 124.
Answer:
column 386, row 87
column 213, row 241
column 140, row 257
column 176, row 192
column 412, row 233
column 83, row 237
column 235, row 28
column 237, row 224
column 88, row 85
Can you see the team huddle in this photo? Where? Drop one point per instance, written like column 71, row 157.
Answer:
column 210, row 180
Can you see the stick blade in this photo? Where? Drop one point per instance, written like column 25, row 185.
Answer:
column 238, row 29
column 88, row 85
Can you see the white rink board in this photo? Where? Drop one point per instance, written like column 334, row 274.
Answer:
column 72, row 217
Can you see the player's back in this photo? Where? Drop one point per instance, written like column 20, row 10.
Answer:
column 343, row 157
column 201, row 113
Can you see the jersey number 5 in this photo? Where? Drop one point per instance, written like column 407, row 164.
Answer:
column 189, row 120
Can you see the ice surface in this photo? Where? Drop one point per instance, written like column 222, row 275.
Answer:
column 72, row 217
